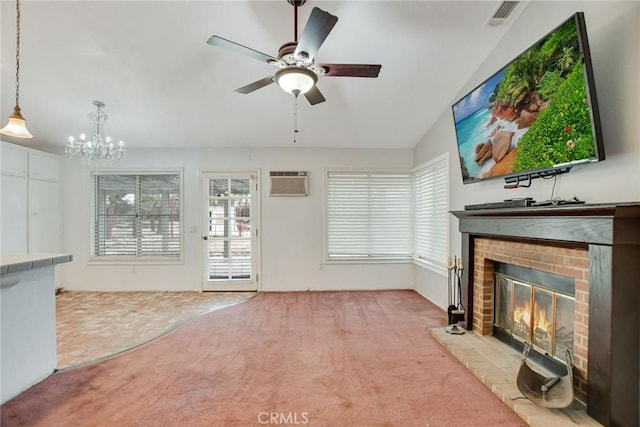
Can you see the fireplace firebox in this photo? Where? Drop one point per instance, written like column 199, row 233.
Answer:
column 535, row 307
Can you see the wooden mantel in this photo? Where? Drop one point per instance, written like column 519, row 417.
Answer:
column 611, row 232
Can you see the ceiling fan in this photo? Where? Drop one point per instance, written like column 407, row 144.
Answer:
column 297, row 73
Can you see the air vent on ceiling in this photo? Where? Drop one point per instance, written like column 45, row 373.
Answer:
column 501, row 13
column 292, row 184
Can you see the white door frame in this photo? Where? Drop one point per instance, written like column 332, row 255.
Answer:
column 251, row 284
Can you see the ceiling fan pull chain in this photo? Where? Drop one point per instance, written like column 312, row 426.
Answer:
column 295, row 117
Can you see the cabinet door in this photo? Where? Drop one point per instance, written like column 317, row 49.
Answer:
column 13, row 214
column 45, row 228
column 13, row 161
column 44, row 167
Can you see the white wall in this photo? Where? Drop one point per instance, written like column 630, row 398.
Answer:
column 291, row 227
column 613, row 30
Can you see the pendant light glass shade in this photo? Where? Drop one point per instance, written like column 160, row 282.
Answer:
column 17, row 127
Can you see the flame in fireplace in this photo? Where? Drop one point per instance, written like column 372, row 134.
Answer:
column 522, row 315
column 541, row 321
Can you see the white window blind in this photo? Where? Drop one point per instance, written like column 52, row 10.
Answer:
column 369, row 215
column 431, row 222
column 137, row 215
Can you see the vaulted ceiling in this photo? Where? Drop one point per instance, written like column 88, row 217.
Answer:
column 164, row 86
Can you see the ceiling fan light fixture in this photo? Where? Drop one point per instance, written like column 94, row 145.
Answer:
column 295, row 79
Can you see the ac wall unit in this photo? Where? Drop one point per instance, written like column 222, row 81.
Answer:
column 289, row 184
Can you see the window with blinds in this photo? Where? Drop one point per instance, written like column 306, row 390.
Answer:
column 369, row 215
column 137, row 215
column 431, row 220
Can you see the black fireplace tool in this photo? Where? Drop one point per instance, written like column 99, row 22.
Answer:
column 455, row 311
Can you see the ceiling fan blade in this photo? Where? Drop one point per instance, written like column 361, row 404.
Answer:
column 258, row 84
column 316, row 30
column 238, row 48
column 314, row 96
column 351, row 70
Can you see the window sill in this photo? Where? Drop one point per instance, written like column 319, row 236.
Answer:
column 367, row 261
column 428, row 265
column 134, row 261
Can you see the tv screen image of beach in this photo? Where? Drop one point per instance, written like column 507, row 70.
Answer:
column 535, row 114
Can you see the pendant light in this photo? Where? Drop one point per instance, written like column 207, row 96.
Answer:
column 17, row 126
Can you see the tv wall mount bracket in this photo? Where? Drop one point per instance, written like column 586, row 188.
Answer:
column 524, row 180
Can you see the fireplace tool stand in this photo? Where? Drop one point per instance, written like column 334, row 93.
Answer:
column 548, row 392
column 455, row 311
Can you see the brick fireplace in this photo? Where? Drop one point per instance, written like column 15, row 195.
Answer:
column 599, row 247
column 552, row 258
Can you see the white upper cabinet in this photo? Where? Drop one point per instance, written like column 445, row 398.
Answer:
column 30, row 209
column 44, row 167
column 13, row 161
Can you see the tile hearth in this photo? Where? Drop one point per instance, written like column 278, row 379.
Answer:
column 496, row 365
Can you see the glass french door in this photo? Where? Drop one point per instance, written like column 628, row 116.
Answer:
column 230, row 239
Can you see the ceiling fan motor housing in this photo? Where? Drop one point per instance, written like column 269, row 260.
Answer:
column 287, row 49
column 286, row 55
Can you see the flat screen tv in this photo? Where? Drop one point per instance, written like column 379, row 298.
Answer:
column 537, row 116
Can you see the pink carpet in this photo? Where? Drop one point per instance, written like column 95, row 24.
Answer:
column 309, row 358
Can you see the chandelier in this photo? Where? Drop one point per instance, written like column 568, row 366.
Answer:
column 98, row 149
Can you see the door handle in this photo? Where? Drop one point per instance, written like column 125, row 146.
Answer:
column 205, row 237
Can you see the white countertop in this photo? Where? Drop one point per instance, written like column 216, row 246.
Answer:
column 20, row 262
